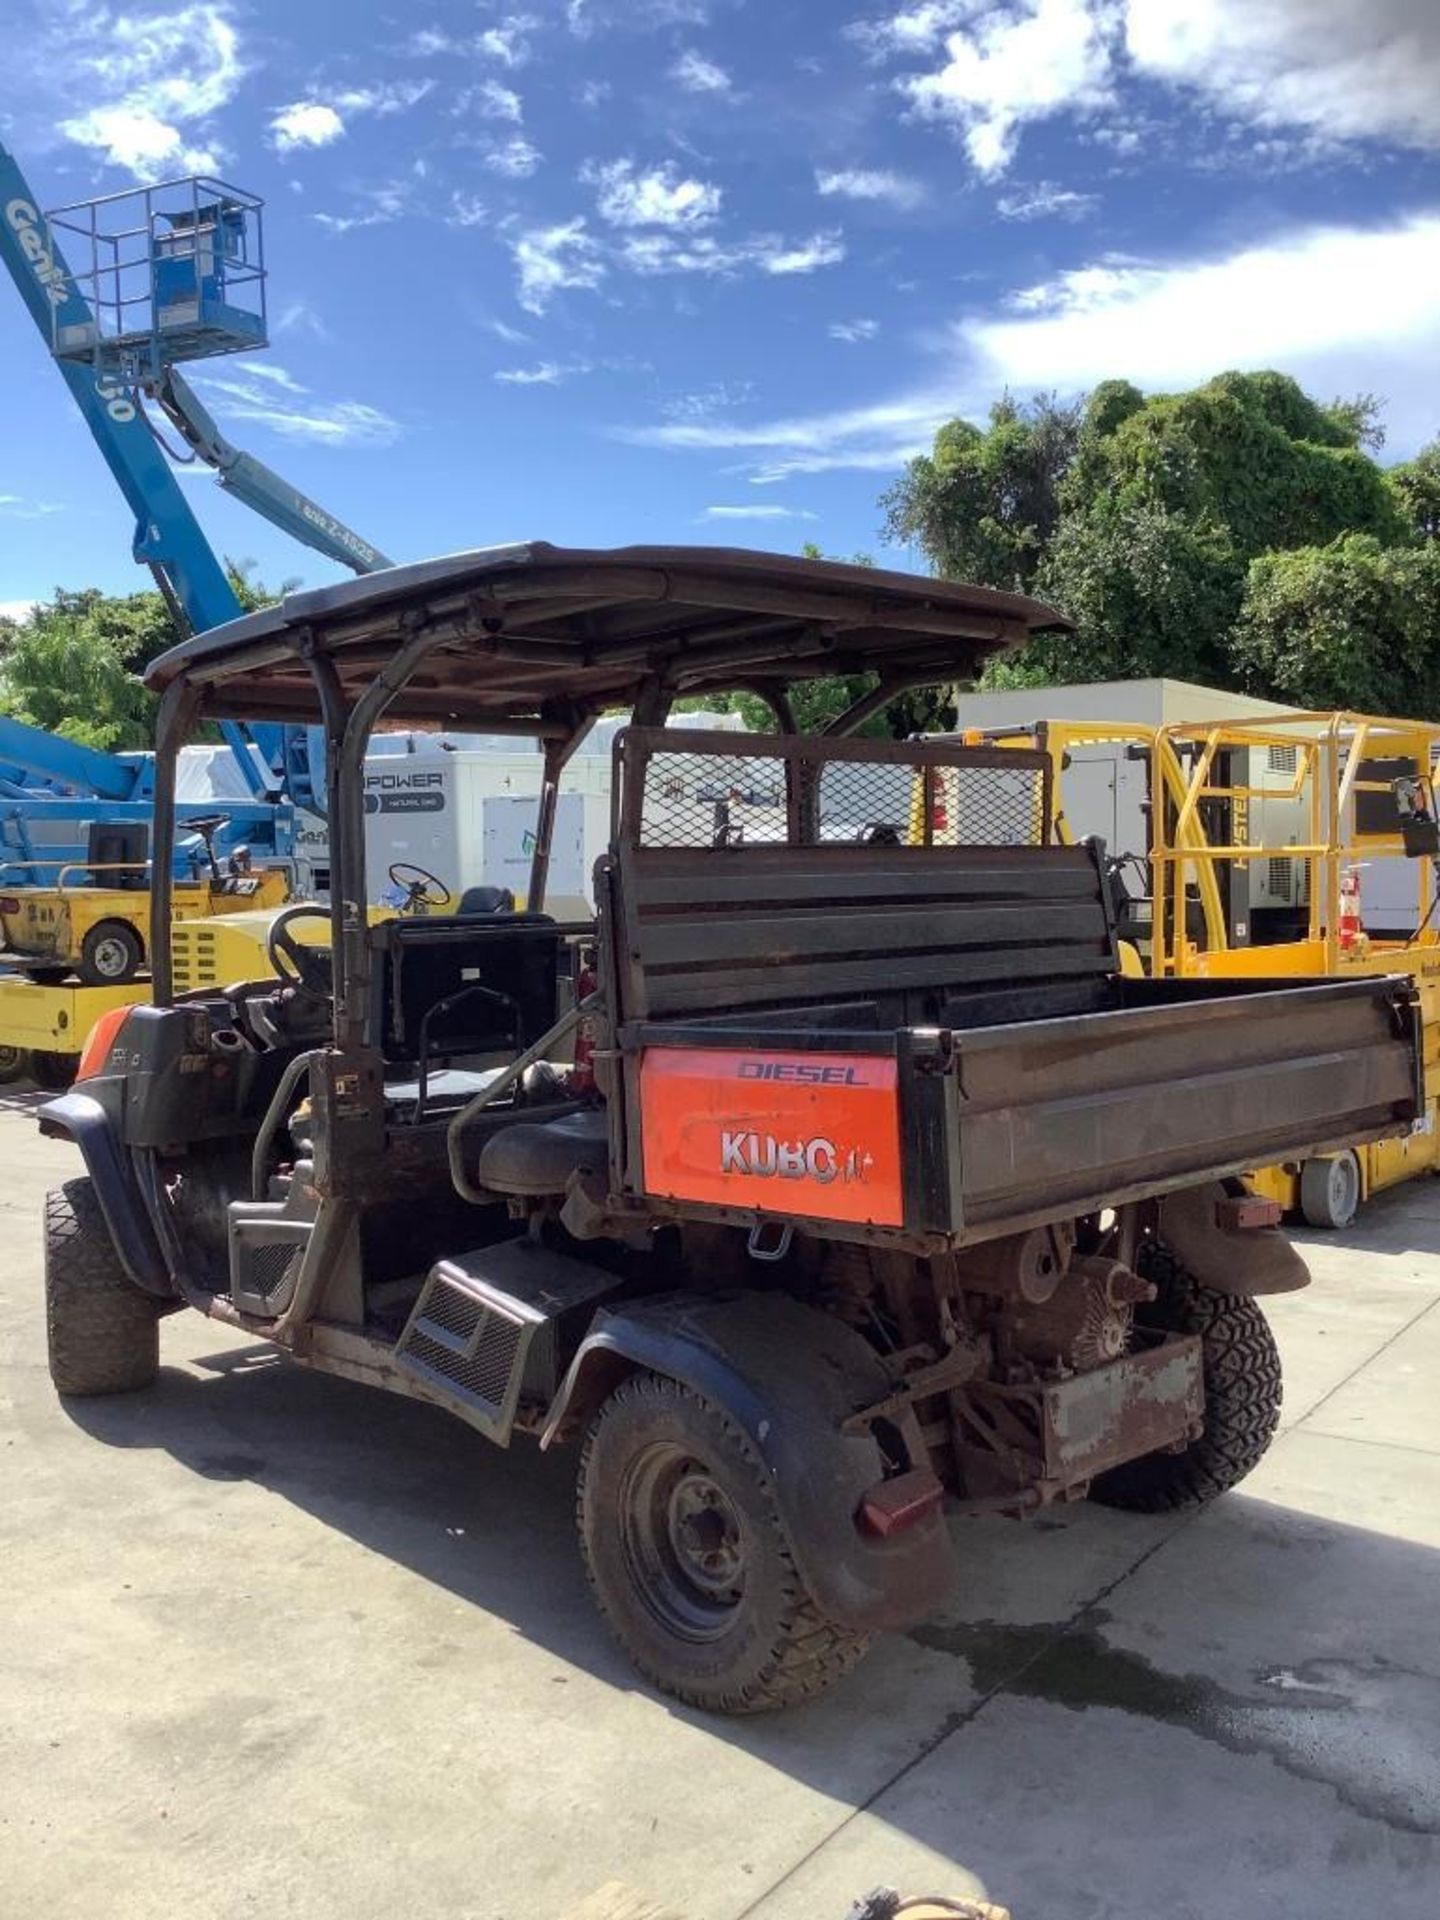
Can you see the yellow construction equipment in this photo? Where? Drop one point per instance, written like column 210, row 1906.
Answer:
column 1325, row 806
column 102, row 933
column 1343, row 804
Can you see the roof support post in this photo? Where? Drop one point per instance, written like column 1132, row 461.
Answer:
column 348, row 918
column 173, row 725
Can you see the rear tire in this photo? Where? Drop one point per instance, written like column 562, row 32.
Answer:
column 103, row 1331
column 1330, row 1191
column 14, row 1065
column 110, row 954
column 1242, row 1395
column 689, row 1560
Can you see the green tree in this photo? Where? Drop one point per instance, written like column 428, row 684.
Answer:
column 74, row 664
column 1416, row 485
column 1351, row 624
column 1249, row 452
column 1151, row 592
column 985, row 503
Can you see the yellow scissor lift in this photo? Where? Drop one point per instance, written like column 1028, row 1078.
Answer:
column 1331, row 814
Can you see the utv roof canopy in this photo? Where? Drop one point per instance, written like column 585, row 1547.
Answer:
column 504, row 636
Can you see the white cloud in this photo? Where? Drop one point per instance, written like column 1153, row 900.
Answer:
column 262, row 394
column 391, row 200
column 1342, row 309
column 1046, row 201
column 551, row 260
column 316, row 122
column 426, row 42
column 1012, row 66
column 758, row 512
column 516, row 158
column 17, row 609
column 152, row 75
column 306, row 123
column 663, row 253
column 502, row 330
column 268, row 371
column 509, row 41
column 1349, row 71
column 15, row 506
column 298, row 316
column 868, row 183
column 491, row 100
column 853, row 331
column 549, row 373
column 914, row 29
column 705, row 402
column 465, row 210
column 593, row 93
column 659, row 197
column 693, row 73
column 1317, row 298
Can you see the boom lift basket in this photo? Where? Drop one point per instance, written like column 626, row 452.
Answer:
column 168, row 272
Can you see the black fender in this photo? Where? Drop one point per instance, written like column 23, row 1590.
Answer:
column 790, row 1376
column 1244, row 1260
column 81, row 1118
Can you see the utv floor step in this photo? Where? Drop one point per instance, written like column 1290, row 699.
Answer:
column 483, row 1329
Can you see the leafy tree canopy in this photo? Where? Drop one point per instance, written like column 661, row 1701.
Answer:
column 73, row 664
column 985, row 505
column 1241, row 533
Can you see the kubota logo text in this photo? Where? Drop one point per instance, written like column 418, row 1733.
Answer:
column 765, row 1157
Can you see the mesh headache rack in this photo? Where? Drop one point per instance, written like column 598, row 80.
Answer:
column 696, row 789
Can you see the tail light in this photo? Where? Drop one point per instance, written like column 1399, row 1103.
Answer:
column 102, row 1038
column 8, row 903
column 901, row 1502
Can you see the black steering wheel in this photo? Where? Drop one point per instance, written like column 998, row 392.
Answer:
column 295, row 963
column 421, row 887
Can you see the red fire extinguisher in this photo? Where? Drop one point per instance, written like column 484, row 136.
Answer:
column 1352, row 927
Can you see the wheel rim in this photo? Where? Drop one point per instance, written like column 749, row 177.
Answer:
column 11, row 1060
column 1344, row 1187
column 111, row 956
column 683, row 1542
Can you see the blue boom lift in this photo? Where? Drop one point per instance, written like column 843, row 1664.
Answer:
column 167, row 273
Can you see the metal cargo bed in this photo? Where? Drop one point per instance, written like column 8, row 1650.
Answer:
column 1171, row 1087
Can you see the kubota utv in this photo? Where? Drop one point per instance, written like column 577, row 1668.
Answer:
column 832, row 1170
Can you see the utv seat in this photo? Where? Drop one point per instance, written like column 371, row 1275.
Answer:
column 537, row 1158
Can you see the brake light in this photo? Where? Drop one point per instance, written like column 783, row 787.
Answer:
column 901, row 1502
column 8, row 903
column 102, row 1038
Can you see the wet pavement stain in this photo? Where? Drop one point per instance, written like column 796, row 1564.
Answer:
column 1365, row 1730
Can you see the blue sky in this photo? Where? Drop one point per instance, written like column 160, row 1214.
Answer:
column 610, row 270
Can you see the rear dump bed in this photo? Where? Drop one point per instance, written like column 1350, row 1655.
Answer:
column 935, row 1039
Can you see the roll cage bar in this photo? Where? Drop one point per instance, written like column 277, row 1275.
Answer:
column 537, row 641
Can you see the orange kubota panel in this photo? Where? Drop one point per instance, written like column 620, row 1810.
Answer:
column 801, row 1133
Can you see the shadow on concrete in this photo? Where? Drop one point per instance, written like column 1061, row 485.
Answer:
column 1401, row 1219
column 1272, row 1632
column 19, row 1096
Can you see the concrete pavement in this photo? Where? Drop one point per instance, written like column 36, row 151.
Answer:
column 274, row 1644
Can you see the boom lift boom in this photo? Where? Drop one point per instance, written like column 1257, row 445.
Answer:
column 160, row 262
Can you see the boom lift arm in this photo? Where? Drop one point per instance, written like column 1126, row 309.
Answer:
column 168, row 539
